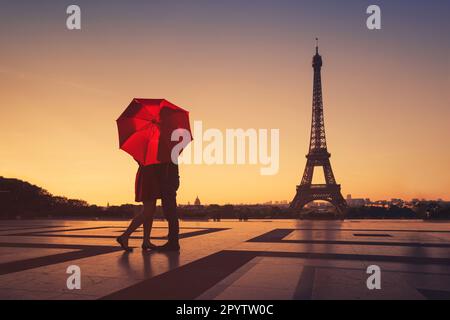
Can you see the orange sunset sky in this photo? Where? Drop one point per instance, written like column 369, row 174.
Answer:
column 232, row 65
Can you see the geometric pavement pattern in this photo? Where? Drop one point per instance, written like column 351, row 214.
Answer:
column 256, row 259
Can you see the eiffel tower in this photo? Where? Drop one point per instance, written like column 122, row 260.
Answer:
column 318, row 155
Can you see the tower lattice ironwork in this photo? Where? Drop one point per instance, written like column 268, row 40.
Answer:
column 318, row 155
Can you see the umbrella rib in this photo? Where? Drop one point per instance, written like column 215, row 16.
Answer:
column 145, row 152
column 145, row 127
column 151, row 134
column 135, row 117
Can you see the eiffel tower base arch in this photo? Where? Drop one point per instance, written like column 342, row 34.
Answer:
column 330, row 193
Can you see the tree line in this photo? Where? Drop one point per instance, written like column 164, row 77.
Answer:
column 21, row 199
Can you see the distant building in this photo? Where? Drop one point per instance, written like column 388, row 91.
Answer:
column 355, row 202
column 197, row 202
column 397, row 202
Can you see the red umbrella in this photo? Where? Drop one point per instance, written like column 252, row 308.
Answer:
column 146, row 126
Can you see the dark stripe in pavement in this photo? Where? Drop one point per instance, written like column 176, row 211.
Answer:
column 52, row 233
column 26, row 264
column 304, row 289
column 277, row 235
column 435, row 294
column 186, row 282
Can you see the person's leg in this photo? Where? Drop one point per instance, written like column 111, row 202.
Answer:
column 148, row 213
column 169, row 186
column 134, row 224
column 169, row 204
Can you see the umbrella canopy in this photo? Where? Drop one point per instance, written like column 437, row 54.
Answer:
column 145, row 129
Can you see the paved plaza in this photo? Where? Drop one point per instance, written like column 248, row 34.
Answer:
column 260, row 259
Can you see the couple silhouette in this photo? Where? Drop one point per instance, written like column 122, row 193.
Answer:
column 153, row 182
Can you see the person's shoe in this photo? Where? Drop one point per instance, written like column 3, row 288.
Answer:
column 169, row 246
column 149, row 246
column 124, row 243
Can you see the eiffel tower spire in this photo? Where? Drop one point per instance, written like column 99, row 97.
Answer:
column 318, row 141
column 318, row 155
